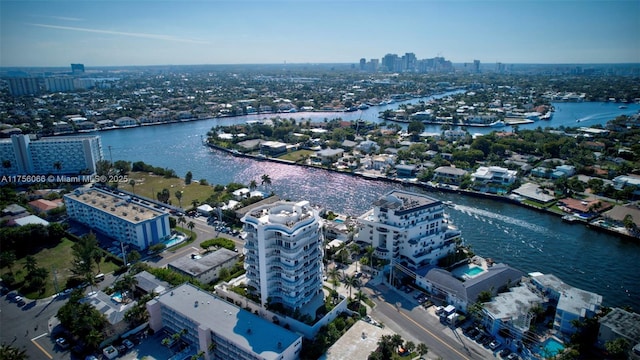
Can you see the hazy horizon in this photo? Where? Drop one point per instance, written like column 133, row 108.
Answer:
column 274, row 32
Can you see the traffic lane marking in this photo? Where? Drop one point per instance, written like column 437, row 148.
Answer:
column 39, row 346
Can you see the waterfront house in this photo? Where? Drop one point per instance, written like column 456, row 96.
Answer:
column 125, row 121
column 406, row 170
column 273, row 148
column 533, row 192
column 328, row 156
column 449, row 175
column 619, row 213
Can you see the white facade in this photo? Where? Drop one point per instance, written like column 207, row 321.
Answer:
column 220, row 329
column 408, row 227
column 54, row 155
column 494, row 175
column 118, row 217
column 283, row 253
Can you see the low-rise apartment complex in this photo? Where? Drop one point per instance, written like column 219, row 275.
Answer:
column 220, row 330
column 118, row 217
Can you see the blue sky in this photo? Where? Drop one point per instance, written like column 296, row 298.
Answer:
column 160, row 32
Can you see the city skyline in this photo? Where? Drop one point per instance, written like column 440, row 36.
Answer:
column 100, row 33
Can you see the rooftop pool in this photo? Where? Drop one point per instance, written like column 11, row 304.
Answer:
column 466, row 272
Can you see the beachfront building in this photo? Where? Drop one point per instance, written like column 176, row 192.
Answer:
column 118, row 217
column 407, row 227
column 283, row 253
column 570, row 303
column 218, row 329
column 56, row 155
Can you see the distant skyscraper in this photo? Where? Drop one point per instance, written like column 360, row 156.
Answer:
column 410, row 62
column 19, row 86
column 363, row 64
column 476, row 66
column 283, row 252
column 77, row 68
column 389, row 62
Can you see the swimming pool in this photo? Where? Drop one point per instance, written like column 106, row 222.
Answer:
column 551, row 347
column 338, row 220
column 473, row 271
column 175, row 239
column 117, row 297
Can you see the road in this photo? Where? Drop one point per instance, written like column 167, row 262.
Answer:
column 27, row 327
column 204, row 232
column 403, row 315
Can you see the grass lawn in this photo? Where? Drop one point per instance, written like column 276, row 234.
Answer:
column 149, row 185
column 297, row 155
column 56, row 259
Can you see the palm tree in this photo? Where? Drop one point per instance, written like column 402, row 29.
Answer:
column 195, row 203
column 361, row 296
column 409, row 346
column 12, row 353
column 350, row 282
column 422, row 349
column 191, row 225
column 266, row 180
column 133, row 186
column 181, row 220
column 8, row 258
column 179, row 197
column 253, row 185
column 370, row 250
column 30, row 264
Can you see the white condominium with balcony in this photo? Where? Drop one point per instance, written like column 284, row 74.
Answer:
column 409, row 228
column 283, row 253
column 54, row 155
column 118, row 217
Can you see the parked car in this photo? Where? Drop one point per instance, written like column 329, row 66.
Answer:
column 494, row 344
column 62, row 342
column 505, row 352
column 128, row 344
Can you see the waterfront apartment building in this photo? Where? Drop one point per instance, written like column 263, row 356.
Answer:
column 283, row 253
column 409, row 228
column 22, row 155
column 118, row 217
column 218, row 329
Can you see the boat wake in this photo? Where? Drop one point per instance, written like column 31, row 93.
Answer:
column 479, row 213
